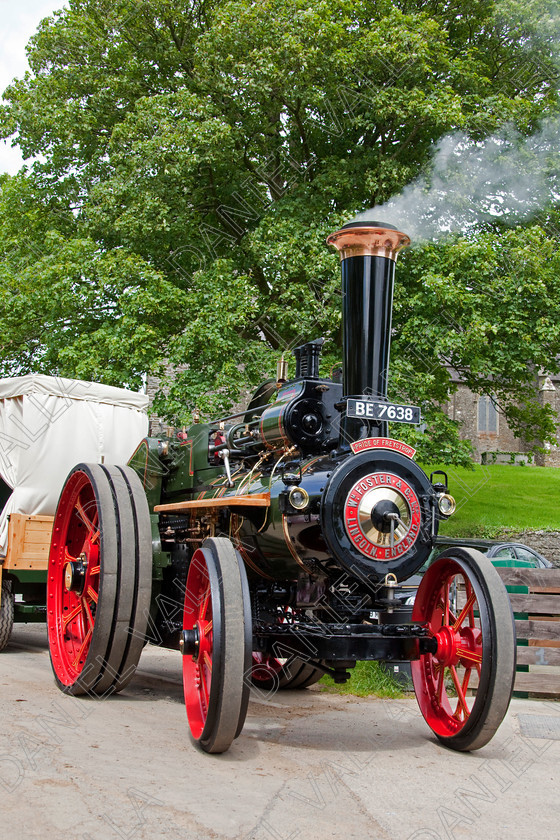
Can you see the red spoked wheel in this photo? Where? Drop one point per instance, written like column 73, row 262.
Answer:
column 99, row 579
column 216, row 645
column 265, row 670
column 269, row 673
column 463, row 602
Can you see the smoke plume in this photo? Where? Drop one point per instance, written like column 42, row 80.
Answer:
column 508, row 176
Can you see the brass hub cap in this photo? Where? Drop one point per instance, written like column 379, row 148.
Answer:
column 382, row 516
column 74, row 574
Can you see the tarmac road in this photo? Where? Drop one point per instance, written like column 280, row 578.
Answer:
column 308, row 765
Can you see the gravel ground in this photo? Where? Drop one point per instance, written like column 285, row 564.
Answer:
column 308, row 765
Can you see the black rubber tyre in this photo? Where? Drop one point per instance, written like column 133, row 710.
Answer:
column 6, row 614
column 218, row 612
column 299, row 674
column 99, row 579
column 475, row 645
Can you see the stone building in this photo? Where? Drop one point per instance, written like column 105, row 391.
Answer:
column 486, row 427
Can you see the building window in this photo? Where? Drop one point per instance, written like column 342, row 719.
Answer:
column 487, row 416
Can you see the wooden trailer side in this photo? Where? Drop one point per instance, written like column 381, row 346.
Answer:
column 29, row 539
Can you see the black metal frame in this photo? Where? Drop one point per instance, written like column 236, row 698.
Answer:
column 347, row 642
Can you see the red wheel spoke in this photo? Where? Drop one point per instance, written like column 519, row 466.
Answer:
column 68, row 617
column 466, row 610
column 440, row 684
column 91, row 526
column 87, row 613
column 466, row 680
column 84, row 646
column 208, row 628
column 461, row 700
column 469, row 655
column 471, row 601
column 91, row 593
column 207, row 662
column 446, row 603
column 205, row 603
column 94, row 570
column 204, row 692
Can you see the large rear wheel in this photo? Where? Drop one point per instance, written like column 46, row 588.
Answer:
column 464, row 687
column 216, row 645
column 99, row 579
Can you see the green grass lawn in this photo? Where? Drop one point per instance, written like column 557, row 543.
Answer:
column 493, row 499
column 367, row 678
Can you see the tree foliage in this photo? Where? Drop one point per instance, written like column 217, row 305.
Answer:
column 191, row 158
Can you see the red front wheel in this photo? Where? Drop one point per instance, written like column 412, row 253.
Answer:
column 216, row 644
column 464, row 688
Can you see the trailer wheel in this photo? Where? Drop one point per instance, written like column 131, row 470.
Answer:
column 99, row 579
column 269, row 673
column 217, row 640
column 475, row 649
column 6, row 614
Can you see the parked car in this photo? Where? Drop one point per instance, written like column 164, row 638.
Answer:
column 500, row 553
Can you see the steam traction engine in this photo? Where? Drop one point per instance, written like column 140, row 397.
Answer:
column 267, row 546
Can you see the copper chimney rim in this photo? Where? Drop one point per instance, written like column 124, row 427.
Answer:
column 368, row 239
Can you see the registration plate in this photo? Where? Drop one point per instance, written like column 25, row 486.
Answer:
column 375, row 410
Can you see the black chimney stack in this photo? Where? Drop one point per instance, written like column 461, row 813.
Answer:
column 368, row 251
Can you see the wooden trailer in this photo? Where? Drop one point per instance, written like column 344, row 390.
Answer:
column 23, row 572
column 47, row 425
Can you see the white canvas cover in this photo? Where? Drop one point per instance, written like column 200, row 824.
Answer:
column 49, row 424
